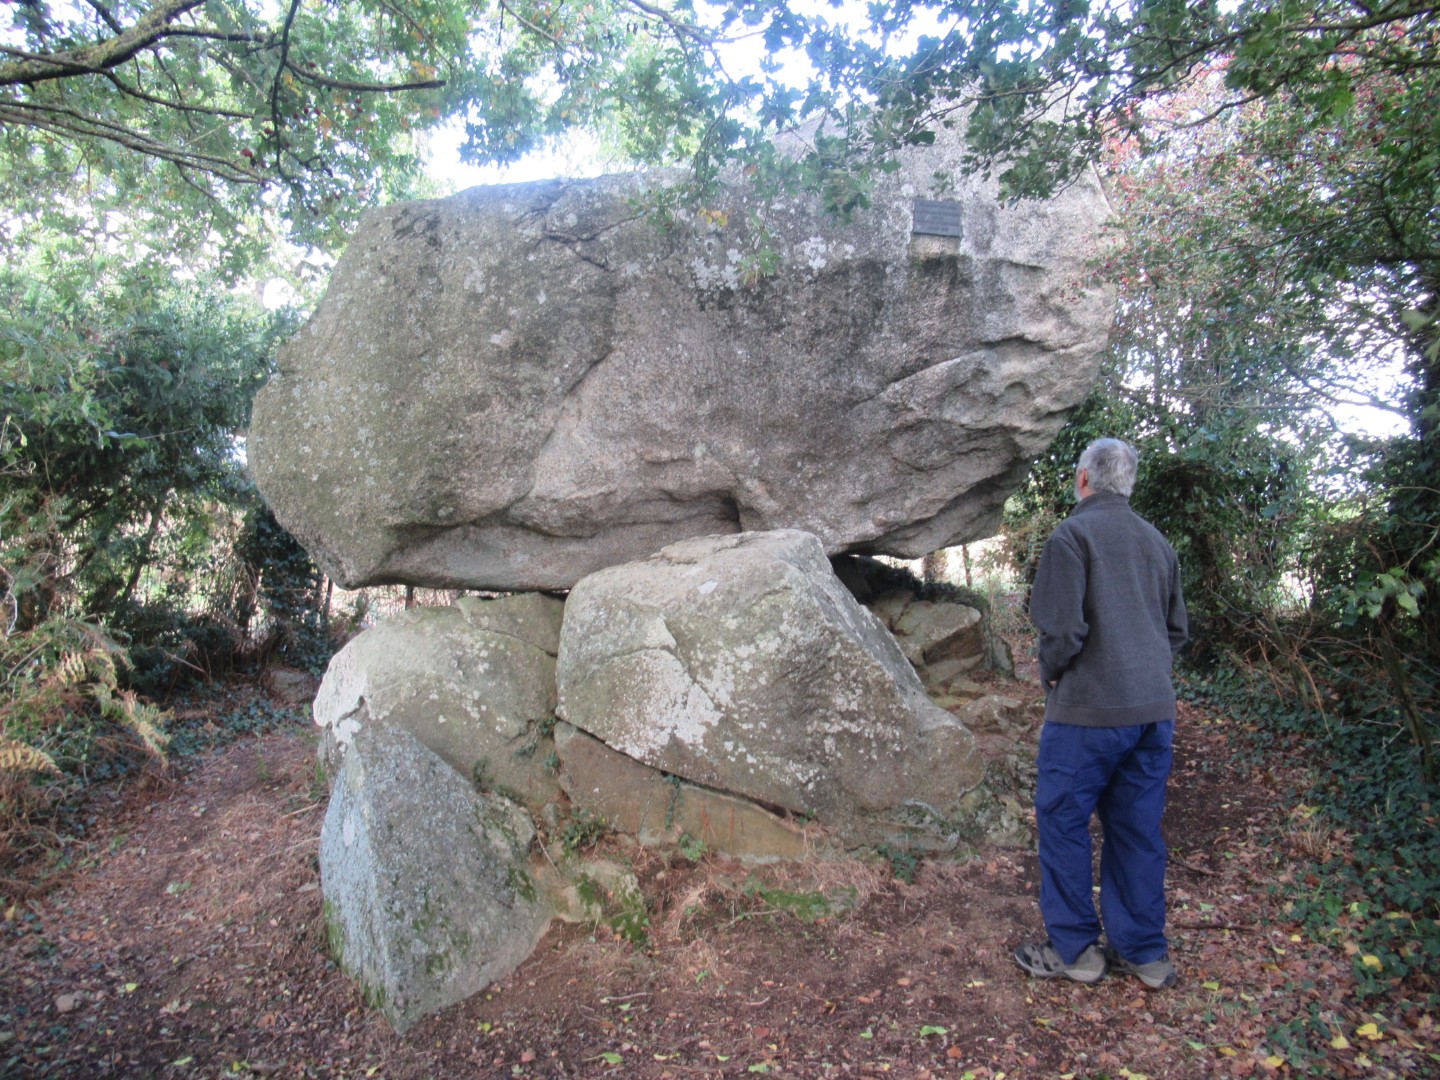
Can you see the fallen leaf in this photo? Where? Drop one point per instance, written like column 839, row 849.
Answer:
column 1340, row 1042
column 1369, row 1031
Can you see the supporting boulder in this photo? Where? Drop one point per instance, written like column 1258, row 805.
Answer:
column 743, row 664
column 643, row 802
column 474, row 682
column 428, row 897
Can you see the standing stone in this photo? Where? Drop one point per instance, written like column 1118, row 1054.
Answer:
column 474, row 682
column 428, row 898
column 743, row 664
column 519, row 385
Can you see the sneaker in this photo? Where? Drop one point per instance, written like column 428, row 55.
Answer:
column 1156, row 974
column 1044, row 962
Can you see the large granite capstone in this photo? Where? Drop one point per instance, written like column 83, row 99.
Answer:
column 517, row 386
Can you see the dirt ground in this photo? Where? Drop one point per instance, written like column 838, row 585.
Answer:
column 191, row 945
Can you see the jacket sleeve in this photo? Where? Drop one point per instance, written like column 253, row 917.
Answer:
column 1057, row 606
column 1176, row 620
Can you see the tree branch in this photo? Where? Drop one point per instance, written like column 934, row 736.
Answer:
column 68, row 123
column 110, row 20
column 170, row 103
column 277, row 118
column 103, row 55
column 676, row 27
column 359, row 87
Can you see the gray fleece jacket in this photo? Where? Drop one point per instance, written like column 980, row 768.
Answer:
column 1110, row 616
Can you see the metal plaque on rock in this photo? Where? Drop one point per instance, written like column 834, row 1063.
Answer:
column 935, row 217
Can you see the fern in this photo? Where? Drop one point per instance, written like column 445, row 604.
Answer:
column 140, row 717
column 60, row 690
column 16, row 757
column 48, row 671
column 73, row 668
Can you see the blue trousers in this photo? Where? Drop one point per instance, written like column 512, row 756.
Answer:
column 1121, row 773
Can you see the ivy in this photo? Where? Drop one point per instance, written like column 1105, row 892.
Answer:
column 1380, row 894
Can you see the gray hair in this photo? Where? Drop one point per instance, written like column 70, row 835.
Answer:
column 1111, row 464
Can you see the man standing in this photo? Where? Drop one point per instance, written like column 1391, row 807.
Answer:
column 1110, row 615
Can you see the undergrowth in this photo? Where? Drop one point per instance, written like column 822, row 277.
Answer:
column 68, row 724
column 1380, row 892
column 65, row 723
column 224, row 718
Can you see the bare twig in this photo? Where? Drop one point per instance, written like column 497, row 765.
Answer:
column 1195, row 869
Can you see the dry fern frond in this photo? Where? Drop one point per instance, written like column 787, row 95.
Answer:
column 140, row 717
column 17, row 757
column 73, row 668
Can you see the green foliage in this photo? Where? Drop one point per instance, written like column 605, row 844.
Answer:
column 521, row 883
column 292, row 594
column 1261, row 288
column 807, row 906
column 1048, row 493
column 220, row 113
column 1281, row 260
column 1223, row 497
column 538, row 733
column 692, row 847
column 121, row 394
column 125, row 500
column 619, row 904
column 904, row 864
column 255, row 112
column 584, row 829
column 1382, row 894
column 631, row 920
column 212, row 720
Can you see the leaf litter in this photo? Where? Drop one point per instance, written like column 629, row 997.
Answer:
column 121, row 972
